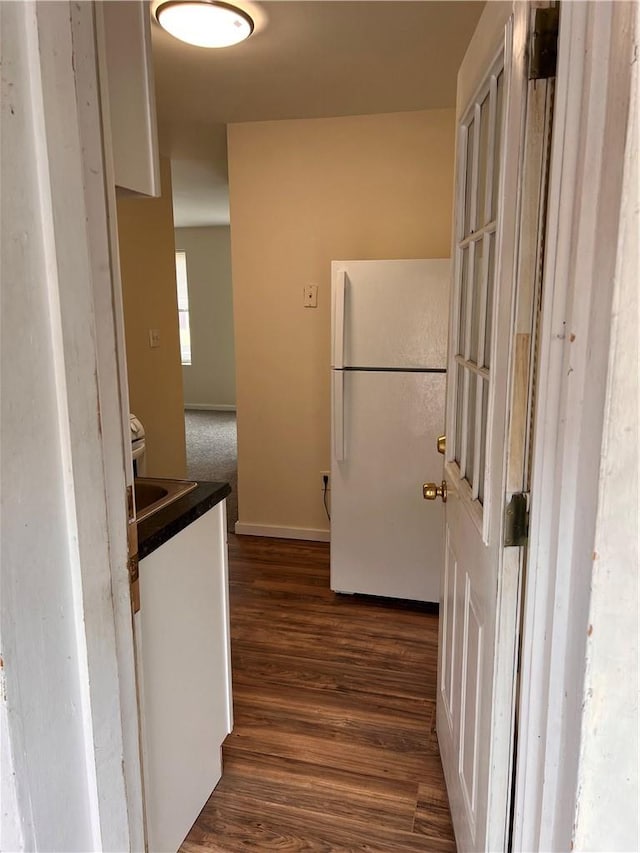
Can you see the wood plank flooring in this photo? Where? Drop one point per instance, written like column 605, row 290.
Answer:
column 334, row 745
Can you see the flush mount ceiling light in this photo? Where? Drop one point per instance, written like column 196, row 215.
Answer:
column 204, row 23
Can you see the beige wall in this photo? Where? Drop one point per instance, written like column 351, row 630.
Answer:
column 303, row 193
column 210, row 378
column 147, row 262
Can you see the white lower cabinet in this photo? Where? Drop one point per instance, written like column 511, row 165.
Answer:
column 184, row 663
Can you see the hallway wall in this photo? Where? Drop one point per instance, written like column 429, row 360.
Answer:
column 303, row 193
column 147, row 262
column 209, row 381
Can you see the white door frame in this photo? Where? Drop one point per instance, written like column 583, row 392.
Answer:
column 71, row 767
column 586, row 184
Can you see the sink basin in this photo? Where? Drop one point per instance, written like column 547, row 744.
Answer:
column 153, row 494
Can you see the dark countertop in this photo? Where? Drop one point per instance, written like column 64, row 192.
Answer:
column 162, row 525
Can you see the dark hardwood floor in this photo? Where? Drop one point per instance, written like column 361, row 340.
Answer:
column 334, row 745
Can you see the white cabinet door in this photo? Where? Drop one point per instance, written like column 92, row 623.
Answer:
column 182, row 637
column 126, row 43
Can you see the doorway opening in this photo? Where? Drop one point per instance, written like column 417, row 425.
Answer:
column 205, row 307
column 212, row 452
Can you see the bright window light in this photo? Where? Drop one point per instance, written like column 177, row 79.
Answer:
column 183, row 307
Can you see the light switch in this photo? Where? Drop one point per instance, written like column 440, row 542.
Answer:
column 154, row 338
column 310, row 297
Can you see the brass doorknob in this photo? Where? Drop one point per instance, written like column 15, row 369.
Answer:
column 442, row 443
column 431, row 491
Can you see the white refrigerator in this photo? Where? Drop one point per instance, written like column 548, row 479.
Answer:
column 388, row 377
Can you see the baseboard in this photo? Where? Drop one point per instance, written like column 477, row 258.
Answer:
column 309, row 533
column 209, row 407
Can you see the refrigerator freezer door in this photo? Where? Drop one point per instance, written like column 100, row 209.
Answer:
column 385, row 540
column 390, row 313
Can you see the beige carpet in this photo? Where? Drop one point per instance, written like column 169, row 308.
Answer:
column 212, row 452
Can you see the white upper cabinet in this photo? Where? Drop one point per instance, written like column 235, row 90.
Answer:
column 132, row 105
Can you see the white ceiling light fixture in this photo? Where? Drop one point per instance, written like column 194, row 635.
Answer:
column 204, row 23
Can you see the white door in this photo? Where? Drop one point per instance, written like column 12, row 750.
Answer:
column 479, row 597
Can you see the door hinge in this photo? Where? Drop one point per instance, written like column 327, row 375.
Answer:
column 543, row 54
column 131, row 510
column 132, row 568
column 516, row 520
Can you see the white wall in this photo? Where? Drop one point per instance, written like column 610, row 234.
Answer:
column 607, row 810
column 147, row 264
column 209, row 381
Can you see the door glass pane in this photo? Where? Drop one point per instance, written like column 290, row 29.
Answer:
column 482, row 161
column 471, row 429
column 185, row 337
column 483, row 439
column 458, row 411
column 497, row 148
column 476, row 298
column 468, row 180
column 490, row 288
column 464, row 289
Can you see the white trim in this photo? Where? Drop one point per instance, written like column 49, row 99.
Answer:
column 210, row 407
column 114, row 408
column 223, row 556
column 595, row 53
column 607, row 808
column 11, row 825
column 68, row 653
column 309, row 533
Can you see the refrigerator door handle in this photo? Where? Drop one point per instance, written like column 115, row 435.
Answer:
column 340, row 285
column 338, row 415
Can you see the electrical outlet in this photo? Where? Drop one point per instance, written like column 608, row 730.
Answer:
column 154, row 338
column 326, row 474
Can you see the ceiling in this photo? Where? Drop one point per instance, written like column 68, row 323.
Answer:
column 305, row 59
